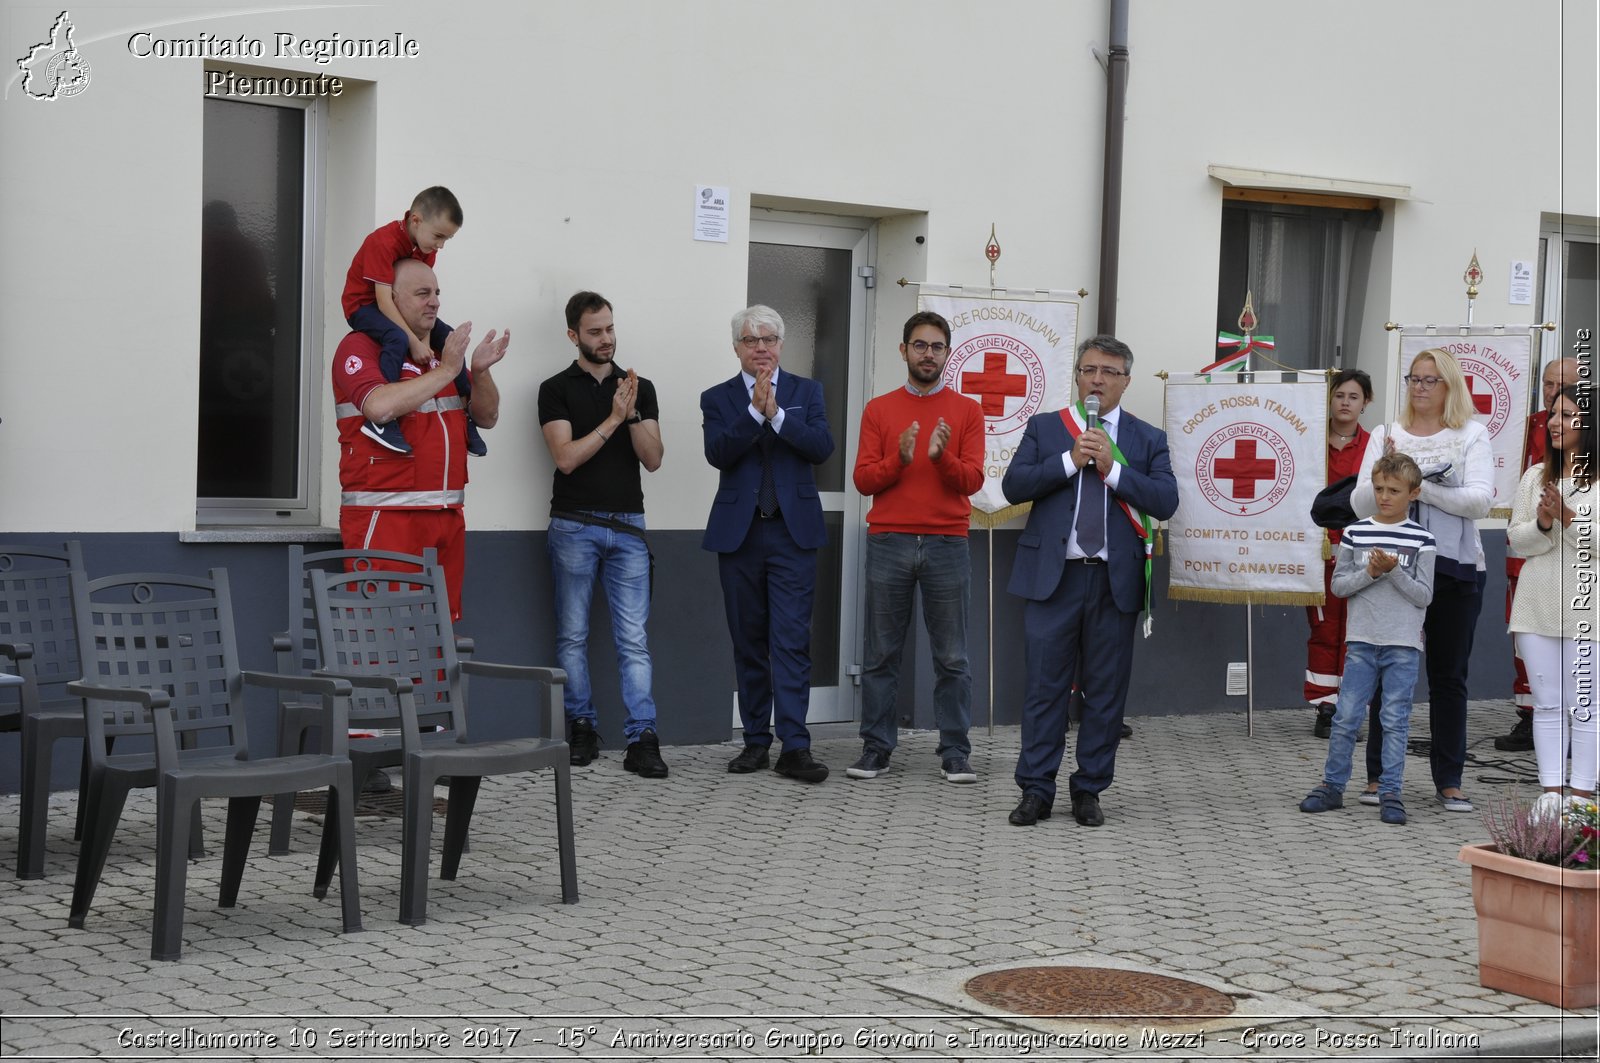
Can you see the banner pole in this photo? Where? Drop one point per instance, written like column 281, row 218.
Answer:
column 991, row 630
column 1249, row 670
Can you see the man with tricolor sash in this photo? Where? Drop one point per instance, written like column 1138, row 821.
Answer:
column 1098, row 478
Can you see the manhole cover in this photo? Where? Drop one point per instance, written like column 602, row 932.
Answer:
column 1096, row 991
column 391, row 803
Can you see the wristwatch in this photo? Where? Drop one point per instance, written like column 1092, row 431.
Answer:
column 636, row 418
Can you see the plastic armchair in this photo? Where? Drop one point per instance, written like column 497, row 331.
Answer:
column 298, row 653
column 394, row 644
column 39, row 643
column 161, row 663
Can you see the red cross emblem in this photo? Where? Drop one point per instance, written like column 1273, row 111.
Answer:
column 1482, row 401
column 1244, row 469
column 994, row 385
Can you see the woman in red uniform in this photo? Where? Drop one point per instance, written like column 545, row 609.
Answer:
column 1347, row 441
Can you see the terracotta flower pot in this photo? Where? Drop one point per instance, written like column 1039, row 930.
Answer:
column 1538, row 927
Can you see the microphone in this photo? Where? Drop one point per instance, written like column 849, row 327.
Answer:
column 1091, row 408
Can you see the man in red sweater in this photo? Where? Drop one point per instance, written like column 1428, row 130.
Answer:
column 920, row 458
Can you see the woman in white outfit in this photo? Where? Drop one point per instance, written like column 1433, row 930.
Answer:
column 1553, row 614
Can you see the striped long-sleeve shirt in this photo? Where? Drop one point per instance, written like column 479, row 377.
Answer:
column 1386, row 611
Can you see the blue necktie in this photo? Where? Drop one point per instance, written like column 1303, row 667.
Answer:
column 767, row 493
column 1091, row 511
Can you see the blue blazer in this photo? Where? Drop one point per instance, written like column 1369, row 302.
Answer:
column 731, row 436
column 1037, row 475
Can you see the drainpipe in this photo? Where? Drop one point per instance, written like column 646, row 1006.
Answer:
column 1111, row 181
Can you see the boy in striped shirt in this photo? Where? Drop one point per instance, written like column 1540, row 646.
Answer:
column 1385, row 568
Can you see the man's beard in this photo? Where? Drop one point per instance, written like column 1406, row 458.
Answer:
column 589, row 354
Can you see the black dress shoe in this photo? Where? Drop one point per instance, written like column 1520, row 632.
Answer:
column 1086, row 810
column 753, row 758
column 797, row 764
column 1127, row 730
column 1030, row 810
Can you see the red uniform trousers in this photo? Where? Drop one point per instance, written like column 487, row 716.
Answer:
column 1325, row 646
column 410, row 531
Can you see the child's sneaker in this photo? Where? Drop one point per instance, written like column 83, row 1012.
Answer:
column 475, row 444
column 387, row 435
column 1391, row 810
column 1323, row 799
column 1547, row 807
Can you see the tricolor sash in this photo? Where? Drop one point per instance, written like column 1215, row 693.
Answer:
column 1077, row 422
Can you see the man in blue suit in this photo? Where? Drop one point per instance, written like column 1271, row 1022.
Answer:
column 764, row 431
column 1096, row 481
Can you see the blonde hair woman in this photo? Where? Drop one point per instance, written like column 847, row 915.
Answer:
column 1437, row 430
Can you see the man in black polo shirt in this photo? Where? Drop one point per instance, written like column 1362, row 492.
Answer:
column 601, row 424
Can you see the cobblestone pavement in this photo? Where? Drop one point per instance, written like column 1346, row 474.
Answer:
column 727, row 916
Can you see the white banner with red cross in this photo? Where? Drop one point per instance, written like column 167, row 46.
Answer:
column 1498, row 365
column 1014, row 355
column 1250, row 456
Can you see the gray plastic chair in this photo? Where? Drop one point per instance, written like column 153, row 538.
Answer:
column 299, row 653
column 39, row 643
column 161, row 662
column 389, row 634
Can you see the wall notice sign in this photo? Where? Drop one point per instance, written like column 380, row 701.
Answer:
column 1521, row 283
column 711, row 213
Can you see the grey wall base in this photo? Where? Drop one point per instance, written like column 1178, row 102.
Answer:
column 507, row 606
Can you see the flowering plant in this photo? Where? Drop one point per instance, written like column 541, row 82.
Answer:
column 1565, row 833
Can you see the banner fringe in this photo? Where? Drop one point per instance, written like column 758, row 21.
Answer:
column 999, row 516
column 1179, row 592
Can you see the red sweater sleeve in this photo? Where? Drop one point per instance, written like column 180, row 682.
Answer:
column 961, row 466
column 878, row 452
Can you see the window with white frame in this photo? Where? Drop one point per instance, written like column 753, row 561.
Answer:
column 1570, row 283
column 259, row 313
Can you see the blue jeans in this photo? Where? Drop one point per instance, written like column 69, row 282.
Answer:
column 897, row 563
column 394, row 344
column 1365, row 666
column 577, row 553
column 1447, row 630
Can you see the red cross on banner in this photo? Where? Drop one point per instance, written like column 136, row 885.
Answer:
column 992, row 386
column 1482, row 401
column 1244, row 469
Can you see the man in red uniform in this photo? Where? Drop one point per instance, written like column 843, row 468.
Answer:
column 1557, row 375
column 393, row 502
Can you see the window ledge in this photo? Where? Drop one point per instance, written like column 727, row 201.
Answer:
column 1242, row 177
column 246, row 533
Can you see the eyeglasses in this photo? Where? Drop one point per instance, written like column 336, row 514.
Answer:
column 1424, row 383
column 923, row 347
column 1101, row 370
column 750, row 343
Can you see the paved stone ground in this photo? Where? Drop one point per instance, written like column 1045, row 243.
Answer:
column 754, row 917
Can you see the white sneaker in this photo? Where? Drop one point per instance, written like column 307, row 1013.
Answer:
column 1547, row 807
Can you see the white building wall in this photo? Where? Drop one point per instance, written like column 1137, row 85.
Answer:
column 574, row 134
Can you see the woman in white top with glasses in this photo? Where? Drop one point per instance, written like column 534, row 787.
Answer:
column 1436, row 428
